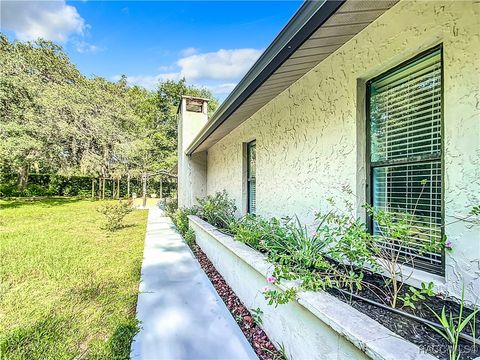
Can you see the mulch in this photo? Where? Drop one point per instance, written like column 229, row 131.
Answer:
column 260, row 342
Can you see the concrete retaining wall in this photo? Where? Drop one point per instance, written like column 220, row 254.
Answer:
column 316, row 325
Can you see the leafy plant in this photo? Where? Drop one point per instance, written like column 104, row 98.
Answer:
column 399, row 241
column 115, row 213
column 180, row 218
column 171, row 205
column 283, row 351
column 189, row 237
column 253, row 231
column 414, row 295
column 257, row 315
column 452, row 327
column 275, row 297
column 218, row 210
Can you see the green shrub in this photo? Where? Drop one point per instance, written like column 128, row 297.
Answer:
column 115, row 213
column 253, row 231
column 171, row 205
column 218, row 210
column 189, row 237
column 180, row 218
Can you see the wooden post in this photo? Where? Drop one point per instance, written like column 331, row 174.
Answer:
column 128, row 185
column 144, row 189
column 103, row 188
column 161, row 188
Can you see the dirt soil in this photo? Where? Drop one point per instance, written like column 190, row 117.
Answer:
column 418, row 333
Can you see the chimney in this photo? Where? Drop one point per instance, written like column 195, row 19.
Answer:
column 192, row 169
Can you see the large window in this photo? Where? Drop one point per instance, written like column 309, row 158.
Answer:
column 405, row 145
column 251, row 186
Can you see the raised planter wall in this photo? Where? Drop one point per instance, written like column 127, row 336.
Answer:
column 316, row 325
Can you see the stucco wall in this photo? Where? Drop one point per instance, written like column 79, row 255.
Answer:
column 307, row 143
column 191, row 169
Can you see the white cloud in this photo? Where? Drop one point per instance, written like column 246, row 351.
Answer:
column 148, row 81
column 51, row 20
column 220, row 65
column 84, row 47
column 222, row 89
column 188, row 51
column 218, row 71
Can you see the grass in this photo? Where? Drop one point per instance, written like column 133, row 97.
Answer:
column 68, row 289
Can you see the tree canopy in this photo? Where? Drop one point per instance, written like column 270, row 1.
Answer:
column 56, row 120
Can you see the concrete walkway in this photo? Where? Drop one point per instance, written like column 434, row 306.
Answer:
column 181, row 315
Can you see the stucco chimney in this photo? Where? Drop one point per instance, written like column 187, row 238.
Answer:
column 192, row 170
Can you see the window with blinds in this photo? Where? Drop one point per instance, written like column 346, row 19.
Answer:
column 251, row 186
column 405, row 120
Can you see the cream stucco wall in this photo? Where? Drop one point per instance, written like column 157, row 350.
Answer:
column 191, row 169
column 307, row 141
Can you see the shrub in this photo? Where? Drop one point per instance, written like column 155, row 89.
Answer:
column 218, row 210
column 180, row 218
column 254, row 231
column 189, row 237
column 115, row 213
column 171, row 205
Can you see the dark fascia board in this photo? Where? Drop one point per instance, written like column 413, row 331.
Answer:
column 310, row 16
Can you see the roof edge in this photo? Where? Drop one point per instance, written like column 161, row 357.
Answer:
column 308, row 18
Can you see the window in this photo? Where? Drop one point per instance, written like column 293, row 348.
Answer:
column 251, row 187
column 405, row 148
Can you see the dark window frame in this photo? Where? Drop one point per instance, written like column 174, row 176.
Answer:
column 250, row 178
column 369, row 167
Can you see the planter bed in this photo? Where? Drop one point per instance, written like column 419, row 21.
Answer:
column 414, row 331
column 316, row 325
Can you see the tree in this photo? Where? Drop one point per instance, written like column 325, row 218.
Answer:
column 27, row 70
column 55, row 120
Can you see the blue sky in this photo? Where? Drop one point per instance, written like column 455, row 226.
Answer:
column 211, row 44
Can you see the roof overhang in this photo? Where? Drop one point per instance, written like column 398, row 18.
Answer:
column 316, row 30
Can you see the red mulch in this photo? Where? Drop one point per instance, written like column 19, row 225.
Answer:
column 255, row 335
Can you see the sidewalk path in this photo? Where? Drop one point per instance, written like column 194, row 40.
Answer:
column 181, row 315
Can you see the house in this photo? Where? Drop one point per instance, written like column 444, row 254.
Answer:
column 370, row 101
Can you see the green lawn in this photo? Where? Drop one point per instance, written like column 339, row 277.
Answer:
column 68, row 289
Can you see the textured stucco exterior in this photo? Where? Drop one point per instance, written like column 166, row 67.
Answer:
column 310, row 142
column 192, row 170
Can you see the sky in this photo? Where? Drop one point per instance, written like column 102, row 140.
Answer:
column 211, row 44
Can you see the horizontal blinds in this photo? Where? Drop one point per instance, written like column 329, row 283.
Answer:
column 405, row 138
column 399, row 189
column 251, row 176
column 252, row 198
column 406, row 111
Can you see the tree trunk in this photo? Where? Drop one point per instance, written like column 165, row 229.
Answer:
column 161, row 188
column 118, row 188
column 128, row 185
column 22, row 179
column 113, row 188
column 103, row 188
column 144, row 189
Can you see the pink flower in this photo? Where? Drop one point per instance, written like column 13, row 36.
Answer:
column 448, row 245
column 265, row 289
column 271, row 279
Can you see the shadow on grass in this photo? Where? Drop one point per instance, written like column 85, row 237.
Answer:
column 37, row 341
column 121, row 340
column 44, row 201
